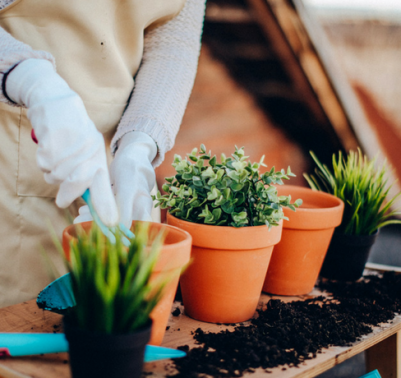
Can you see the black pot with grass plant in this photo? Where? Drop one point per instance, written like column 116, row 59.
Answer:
column 363, row 187
column 109, row 327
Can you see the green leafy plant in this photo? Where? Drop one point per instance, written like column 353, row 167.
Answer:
column 111, row 283
column 362, row 187
column 229, row 193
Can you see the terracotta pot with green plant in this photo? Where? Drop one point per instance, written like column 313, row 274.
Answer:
column 173, row 257
column 234, row 216
column 297, row 259
column 110, row 324
column 362, row 185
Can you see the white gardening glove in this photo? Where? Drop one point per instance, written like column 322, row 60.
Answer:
column 133, row 176
column 71, row 152
column 84, row 215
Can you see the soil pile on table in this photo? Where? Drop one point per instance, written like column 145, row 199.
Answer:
column 290, row 333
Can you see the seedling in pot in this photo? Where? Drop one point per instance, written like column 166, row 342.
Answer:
column 110, row 325
column 111, row 283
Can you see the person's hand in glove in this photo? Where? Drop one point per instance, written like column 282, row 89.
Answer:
column 71, row 151
column 133, row 177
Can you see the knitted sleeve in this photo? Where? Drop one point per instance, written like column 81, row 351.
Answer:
column 165, row 79
column 12, row 52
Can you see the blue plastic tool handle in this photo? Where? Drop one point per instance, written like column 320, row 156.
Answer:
column 155, row 353
column 87, row 198
column 372, row 374
column 26, row 344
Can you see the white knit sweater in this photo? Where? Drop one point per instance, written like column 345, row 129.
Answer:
column 162, row 85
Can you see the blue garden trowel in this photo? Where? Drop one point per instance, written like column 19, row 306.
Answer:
column 57, row 296
column 26, row 344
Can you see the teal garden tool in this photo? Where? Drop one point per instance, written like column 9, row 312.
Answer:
column 57, row 296
column 26, row 344
column 372, row 374
column 106, row 230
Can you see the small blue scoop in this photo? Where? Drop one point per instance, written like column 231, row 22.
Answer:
column 57, row 296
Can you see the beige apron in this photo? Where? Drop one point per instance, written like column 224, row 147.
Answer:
column 98, row 47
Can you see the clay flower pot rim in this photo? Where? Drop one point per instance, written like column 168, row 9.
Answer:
column 335, row 201
column 325, row 212
column 223, row 237
column 222, row 228
column 168, row 257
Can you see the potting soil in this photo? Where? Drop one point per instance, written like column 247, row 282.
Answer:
column 290, row 333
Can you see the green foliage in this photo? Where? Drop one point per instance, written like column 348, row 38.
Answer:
column 361, row 186
column 229, row 193
column 111, row 283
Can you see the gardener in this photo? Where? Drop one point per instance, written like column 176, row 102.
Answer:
column 98, row 47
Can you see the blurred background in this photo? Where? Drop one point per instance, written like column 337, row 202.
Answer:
column 282, row 77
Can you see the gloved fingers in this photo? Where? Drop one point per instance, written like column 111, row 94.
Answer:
column 61, row 151
column 84, row 215
column 124, row 205
column 142, row 208
column 103, row 199
column 69, row 191
column 133, row 177
column 138, row 208
column 132, row 191
column 79, row 165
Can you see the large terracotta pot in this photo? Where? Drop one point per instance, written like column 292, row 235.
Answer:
column 297, row 259
column 224, row 279
column 174, row 255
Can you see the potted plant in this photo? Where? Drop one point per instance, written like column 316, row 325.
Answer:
column 173, row 257
column 297, row 259
column 110, row 324
column 234, row 216
column 363, row 188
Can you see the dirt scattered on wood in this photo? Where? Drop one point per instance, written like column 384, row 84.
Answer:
column 287, row 334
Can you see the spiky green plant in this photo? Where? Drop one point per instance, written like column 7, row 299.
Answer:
column 229, row 193
column 363, row 188
column 111, row 283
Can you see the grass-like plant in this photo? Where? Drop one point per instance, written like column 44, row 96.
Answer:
column 111, row 283
column 229, row 193
column 363, row 188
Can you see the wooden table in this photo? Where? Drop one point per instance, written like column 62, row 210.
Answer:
column 383, row 346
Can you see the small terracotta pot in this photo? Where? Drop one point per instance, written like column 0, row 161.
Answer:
column 174, row 255
column 223, row 282
column 297, row 259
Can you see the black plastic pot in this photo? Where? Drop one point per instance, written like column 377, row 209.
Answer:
column 347, row 256
column 96, row 355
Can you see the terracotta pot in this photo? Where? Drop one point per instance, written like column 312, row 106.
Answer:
column 297, row 259
column 174, row 255
column 223, row 282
